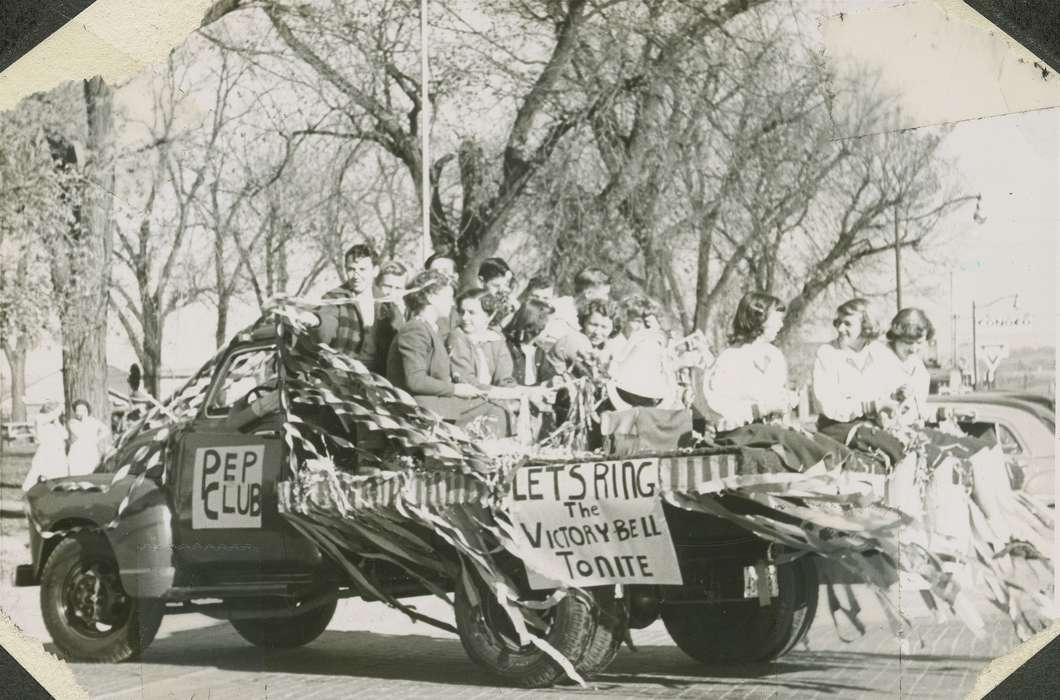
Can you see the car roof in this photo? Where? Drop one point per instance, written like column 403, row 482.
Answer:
column 1042, row 407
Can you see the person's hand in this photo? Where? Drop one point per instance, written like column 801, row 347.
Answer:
column 466, row 391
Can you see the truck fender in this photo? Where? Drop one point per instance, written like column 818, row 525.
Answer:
column 142, row 541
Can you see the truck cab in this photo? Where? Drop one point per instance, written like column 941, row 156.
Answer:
column 199, row 521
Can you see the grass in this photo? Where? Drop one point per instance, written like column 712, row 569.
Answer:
column 14, row 530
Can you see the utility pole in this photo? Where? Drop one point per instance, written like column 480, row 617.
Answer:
column 953, row 325
column 897, row 260
column 975, row 358
column 425, row 140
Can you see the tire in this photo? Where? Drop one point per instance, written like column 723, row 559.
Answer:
column 575, row 630
column 744, row 631
column 609, row 632
column 286, row 632
column 85, row 608
column 806, row 604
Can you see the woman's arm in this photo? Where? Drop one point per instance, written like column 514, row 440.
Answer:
column 414, row 345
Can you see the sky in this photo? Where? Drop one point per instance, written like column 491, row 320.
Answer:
column 1004, row 145
column 945, row 69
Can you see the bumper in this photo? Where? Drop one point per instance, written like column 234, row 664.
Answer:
column 26, row 575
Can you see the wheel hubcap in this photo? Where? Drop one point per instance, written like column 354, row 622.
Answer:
column 93, row 600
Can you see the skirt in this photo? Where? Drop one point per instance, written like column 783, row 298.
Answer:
column 798, row 451
column 863, row 437
column 464, row 412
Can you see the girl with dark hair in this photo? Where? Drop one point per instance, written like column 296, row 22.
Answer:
column 842, row 390
column 953, row 463
column 419, row 363
column 478, row 353
column 747, row 389
column 89, row 438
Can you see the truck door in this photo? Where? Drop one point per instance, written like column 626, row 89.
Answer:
column 229, row 463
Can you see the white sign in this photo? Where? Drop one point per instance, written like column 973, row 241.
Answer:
column 592, row 523
column 1001, row 325
column 227, row 488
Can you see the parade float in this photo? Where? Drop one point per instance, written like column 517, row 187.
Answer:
column 285, row 476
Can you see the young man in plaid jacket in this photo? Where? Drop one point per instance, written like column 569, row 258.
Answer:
column 347, row 326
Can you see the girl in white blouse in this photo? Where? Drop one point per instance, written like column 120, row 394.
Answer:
column 747, row 389
column 972, row 462
column 847, row 397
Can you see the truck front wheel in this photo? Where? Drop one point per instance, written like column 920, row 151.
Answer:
column 286, row 632
column 85, row 608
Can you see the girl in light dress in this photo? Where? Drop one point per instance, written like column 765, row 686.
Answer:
column 747, row 389
column 89, row 438
column 951, row 457
column 49, row 461
column 954, row 485
column 847, row 403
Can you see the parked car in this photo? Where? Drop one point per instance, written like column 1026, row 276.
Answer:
column 183, row 546
column 18, row 432
column 1023, row 424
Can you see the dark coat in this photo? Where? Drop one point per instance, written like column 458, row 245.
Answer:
column 419, row 364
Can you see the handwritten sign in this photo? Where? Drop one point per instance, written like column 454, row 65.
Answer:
column 592, row 523
column 227, row 488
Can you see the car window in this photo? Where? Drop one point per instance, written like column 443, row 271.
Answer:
column 994, row 434
column 1009, row 444
column 244, row 374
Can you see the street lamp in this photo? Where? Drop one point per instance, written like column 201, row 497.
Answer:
column 975, row 344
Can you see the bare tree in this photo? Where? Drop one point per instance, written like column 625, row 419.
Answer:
column 367, row 59
column 78, row 121
column 165, row 178
column 31, row 211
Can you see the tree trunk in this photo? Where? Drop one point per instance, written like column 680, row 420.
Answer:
column 221, row 332
column 16, row 360
column 81, row 268
column 701, row 319
column 152, row 357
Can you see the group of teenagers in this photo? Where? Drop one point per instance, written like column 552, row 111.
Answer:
column 489, row 356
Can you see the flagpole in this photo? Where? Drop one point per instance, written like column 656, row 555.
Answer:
column 425, row 144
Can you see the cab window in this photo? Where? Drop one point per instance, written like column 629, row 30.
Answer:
column 245, row 375
column 994, row 434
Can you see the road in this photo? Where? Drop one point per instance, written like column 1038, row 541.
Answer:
column 370, row 651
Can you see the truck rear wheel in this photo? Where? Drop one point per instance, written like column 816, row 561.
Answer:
column 744, row 631
column 85, row 608
column 579, row 629
column 286, row 632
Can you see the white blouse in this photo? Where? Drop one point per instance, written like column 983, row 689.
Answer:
column 888, row 373
column 841, row 385
column 745, row 383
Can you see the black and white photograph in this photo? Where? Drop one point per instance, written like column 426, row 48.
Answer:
column 519, row 348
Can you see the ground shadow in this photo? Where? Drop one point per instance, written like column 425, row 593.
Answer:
column 442, row 660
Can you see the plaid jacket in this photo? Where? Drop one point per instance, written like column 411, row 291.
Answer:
column 342, row 327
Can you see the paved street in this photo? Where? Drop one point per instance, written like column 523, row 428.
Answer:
column 370, row 651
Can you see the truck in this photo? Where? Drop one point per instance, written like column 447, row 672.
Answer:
column 182, row 545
